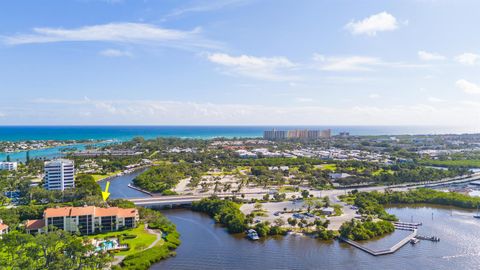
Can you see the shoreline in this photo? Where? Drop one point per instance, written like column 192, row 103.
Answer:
column 141, row 190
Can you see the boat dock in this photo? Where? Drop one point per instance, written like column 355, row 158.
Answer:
column 406, row 226
column 429, row 238
column 391, row 250
column 412, row 238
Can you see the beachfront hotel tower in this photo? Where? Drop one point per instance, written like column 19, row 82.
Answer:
column 59, row 174
column 296, row 134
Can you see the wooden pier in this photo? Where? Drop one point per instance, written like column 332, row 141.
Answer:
column 391, row 250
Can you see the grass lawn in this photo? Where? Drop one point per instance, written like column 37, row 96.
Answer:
column 153, row 154
column 378, row 172
column 330, row 167
column 473, row 163
column 99, row 177
column 284, row 189
column 161, row 162
column 141, row 242
column 359, row 170
column 338, row 210
column 244, row 168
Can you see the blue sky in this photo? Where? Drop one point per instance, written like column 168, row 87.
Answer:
column 240, row 62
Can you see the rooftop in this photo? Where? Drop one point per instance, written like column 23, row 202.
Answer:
column 90, row 210
column 34, row 224
column 59, row 161
column 3, row 226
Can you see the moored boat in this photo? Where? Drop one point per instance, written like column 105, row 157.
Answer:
column 252, row 234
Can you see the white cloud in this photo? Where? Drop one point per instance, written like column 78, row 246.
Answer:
column 357, row 63
column 428, row 56
column 89, row 111
column 269, row 68
column 374, row 96
column 435, row 100
column 372, row 25
column 469, row 59
column 468, row 87
column 351, row 63
column 115, row 53
column 304, row 100
column 206, row 6
column 136, row 33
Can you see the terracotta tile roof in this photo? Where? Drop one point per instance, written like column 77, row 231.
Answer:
column 127, row 212
column 69, row 211
column 115, row 211
column 3, row 226
column 90, row 210
column 34, row 224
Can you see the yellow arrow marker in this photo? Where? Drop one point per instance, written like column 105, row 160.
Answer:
column 106, row 194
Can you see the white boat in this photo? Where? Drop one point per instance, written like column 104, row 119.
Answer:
column 477, row 215
column 252, row 234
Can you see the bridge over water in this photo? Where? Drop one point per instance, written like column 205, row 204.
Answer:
column 171, row 201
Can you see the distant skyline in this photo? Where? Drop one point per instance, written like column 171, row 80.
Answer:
column 240, row 62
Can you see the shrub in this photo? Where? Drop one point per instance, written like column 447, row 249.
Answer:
column 224, row 212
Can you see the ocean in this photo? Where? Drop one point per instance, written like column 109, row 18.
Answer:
column 124, row 133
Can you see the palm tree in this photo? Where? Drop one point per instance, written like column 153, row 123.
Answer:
column 216, row 188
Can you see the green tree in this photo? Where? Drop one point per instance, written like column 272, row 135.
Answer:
column 262, row 229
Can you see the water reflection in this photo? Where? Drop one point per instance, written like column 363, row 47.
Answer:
column 119, row 186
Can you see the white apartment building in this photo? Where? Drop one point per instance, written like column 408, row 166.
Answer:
column 8, row 166
column 59, row 174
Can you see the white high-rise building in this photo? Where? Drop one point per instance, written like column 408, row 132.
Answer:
column 8, row 166
column 59, row 174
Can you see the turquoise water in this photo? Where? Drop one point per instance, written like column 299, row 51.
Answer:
column 19, row 133
column 47, row 153
column 123, row 133
column 106, row 245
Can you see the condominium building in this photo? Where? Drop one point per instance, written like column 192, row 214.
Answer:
column 59, row 174
column 275, row 134
column 327, row 133
column 296, row 134
column 84, row 220
column 8, row 166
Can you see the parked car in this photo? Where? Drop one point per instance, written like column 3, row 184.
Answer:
column 298, row 215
